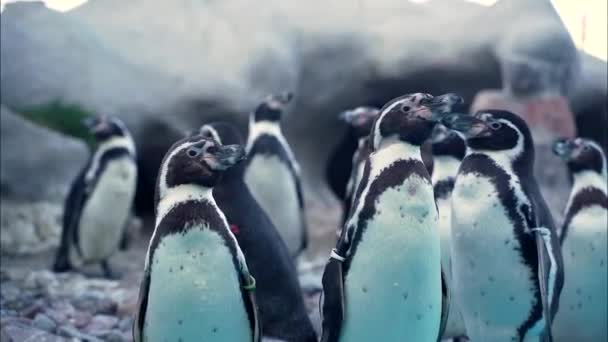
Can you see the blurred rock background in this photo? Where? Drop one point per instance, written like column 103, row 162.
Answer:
column 166, row 67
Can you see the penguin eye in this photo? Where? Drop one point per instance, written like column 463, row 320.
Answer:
column 495, row 125
column 212, row 149
column 586, row 147
column 405, row 108
column 193, row 152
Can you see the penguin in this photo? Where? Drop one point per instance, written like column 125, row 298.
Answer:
column 282, row 312
column 273, row 174
column 583, row 310
column 506, row 259
column 196, row 284
column 99, row 202
column 360, row 120
column 448, row 149
column 383, row 281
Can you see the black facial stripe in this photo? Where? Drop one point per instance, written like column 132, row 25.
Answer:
column 589, row 159
column 482, row 164
column 585, row 198
column 443, row 188
column 391, row 177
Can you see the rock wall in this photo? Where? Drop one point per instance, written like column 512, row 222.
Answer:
column 168, row 66
column 37, row 167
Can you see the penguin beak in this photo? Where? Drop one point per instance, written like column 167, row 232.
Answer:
column 444, row 104
column 96, row 125
column 279, row 101
column 226, row 157
column 468, row 125
column 359, row 117
column 564, row 148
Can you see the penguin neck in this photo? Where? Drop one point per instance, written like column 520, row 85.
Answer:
column 180, row 194
column 231, row 185
column 444, row 167
column 586, row 179
column 263, row 127
column 115, row 142
column 393, row 149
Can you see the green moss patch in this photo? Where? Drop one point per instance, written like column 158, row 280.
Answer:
column 64, row 118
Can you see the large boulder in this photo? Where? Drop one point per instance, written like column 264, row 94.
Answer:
column 37, row 167
column 216, row 59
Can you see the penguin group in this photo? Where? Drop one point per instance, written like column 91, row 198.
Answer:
column 455, row 244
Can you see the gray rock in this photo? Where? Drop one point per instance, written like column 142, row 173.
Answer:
column 44, row 322
column 95, row 305
column 357, row 52
column 19, row 333
column 36, row 168
column 69, row 331
column 100, row 324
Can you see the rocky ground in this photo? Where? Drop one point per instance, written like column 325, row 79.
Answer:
column 37, row 304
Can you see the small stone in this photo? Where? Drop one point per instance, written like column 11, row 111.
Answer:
column 95, row 305
column 101, row 323
column 126, row 324
column 115, row 336
column 44, row 322
column 69, row 331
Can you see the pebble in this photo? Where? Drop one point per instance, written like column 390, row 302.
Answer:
column 44, row 322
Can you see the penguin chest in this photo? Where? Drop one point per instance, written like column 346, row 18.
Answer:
column 393, row 284
column 194, row 292
column 493, row 285
column 273, row 186
column 107, row 210
column 455, row 324
column 583, row 309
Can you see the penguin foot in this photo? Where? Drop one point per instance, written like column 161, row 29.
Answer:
column 61, row 265
column 108, row 272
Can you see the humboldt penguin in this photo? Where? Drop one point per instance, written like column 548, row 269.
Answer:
column 448, row 148
column 383, row 281
column 583, row 310
column 506, row 259
column 99, row 202
column 282, row 312
column 196, row 284
column 273, row 174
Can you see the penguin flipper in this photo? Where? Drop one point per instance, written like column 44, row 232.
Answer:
column 142, row 307
column 71, row 215
column 252, row 309
column 547, row 271
column 333, row 300
column 445, row 304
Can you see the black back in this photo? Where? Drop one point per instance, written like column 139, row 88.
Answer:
column 278, row 292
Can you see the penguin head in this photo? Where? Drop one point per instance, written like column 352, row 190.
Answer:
column 446, row 142
column 495, row 131
column 272, row 107
column 104, row 127
column 411, row 118
column 222, row 132
column 360, row 119
column 581, row 154
column 197, row 161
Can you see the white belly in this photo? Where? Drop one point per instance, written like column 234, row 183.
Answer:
column 273, row 186
column 583, row 309
column 194, row 291
column 455, row 325
column 393, row 286
column 492, row 284
column 107, row 210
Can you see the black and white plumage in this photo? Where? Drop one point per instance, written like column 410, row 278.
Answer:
column 449, row 149
column 361, row 120
column 196, row 284
column 583, row 310
column 282, row 311
column 273, row 174
column 383, row 281
column 99, row 203
column 506, row 258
